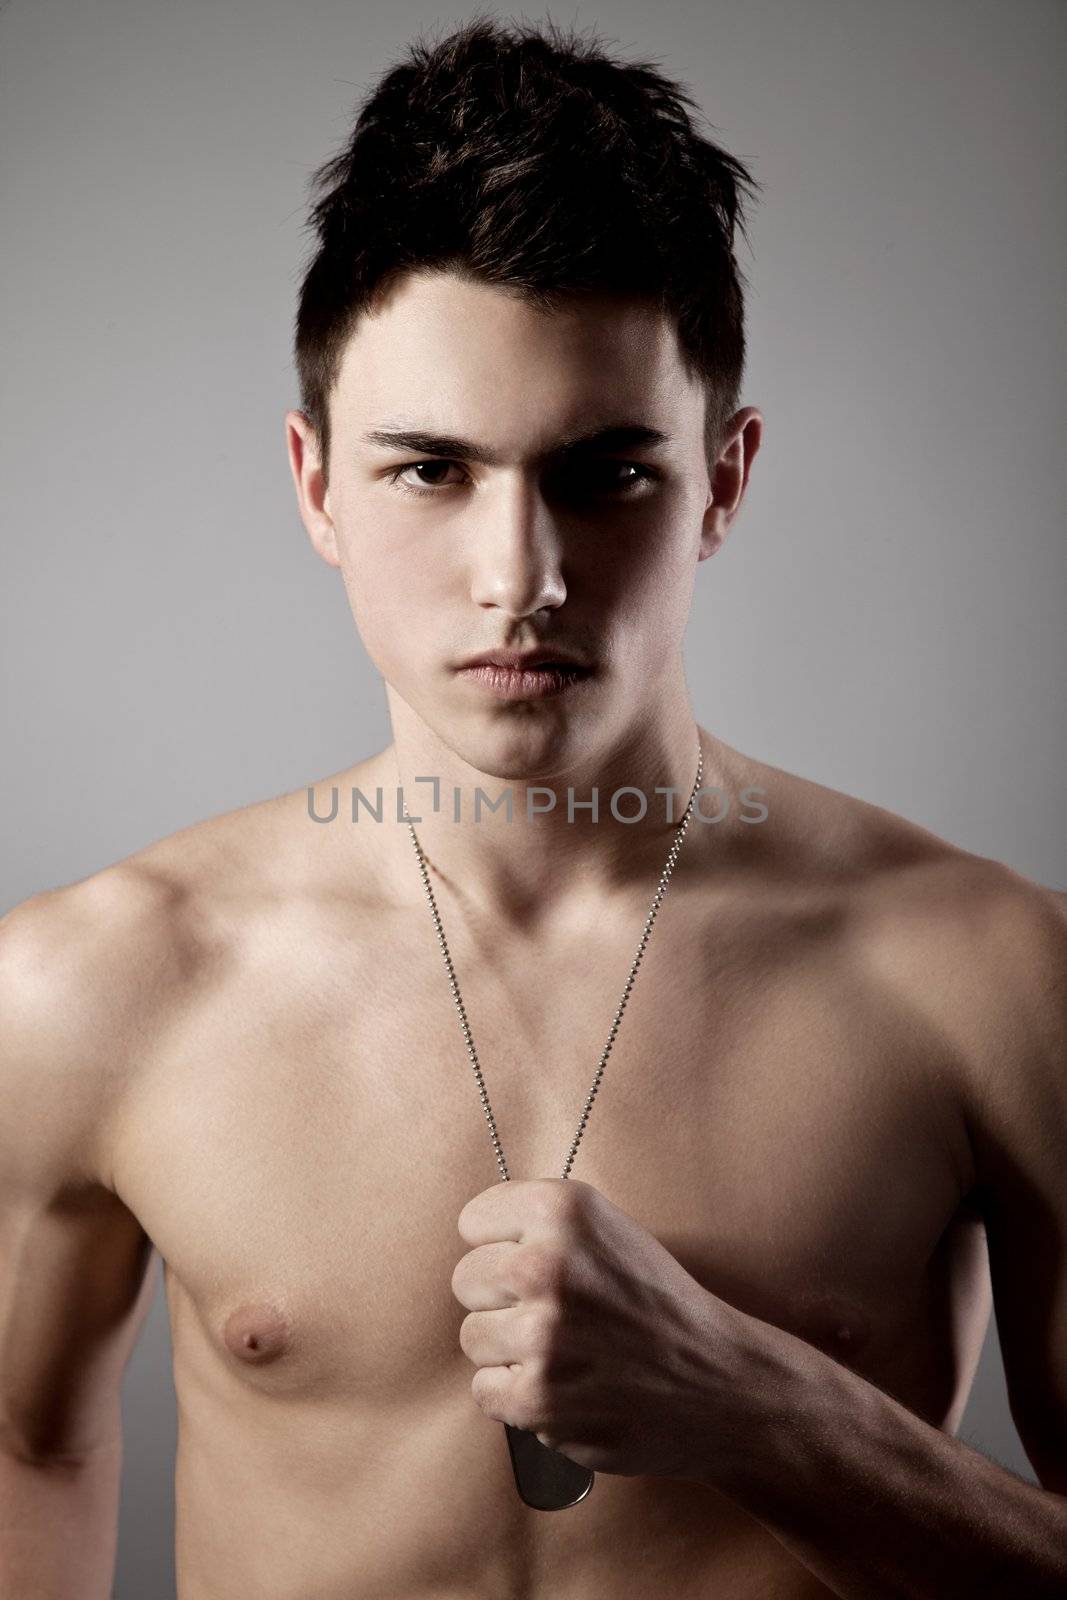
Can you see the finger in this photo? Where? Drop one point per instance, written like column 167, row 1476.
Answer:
column 493, row 1391
column 492, row 1338
column 481, row 1280
column 514, row 1210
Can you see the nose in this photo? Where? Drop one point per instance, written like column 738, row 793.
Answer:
column 515, row 552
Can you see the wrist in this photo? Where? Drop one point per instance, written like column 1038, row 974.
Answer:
column 753, row 1417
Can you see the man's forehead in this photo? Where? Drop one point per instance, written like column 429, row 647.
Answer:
column 445, row 355
column 434, row 316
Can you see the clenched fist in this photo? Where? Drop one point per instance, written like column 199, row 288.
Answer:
column 588, row 1333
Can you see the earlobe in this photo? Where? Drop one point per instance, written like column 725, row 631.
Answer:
column 712, row 530
column 324, row 541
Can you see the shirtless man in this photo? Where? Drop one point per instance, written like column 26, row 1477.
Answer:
column 755, row 1307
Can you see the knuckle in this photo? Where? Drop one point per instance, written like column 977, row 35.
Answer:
column 535, row 1333
column 560, row 1200
column 572, row 1198
column 541, row 1270
column 544, row 1326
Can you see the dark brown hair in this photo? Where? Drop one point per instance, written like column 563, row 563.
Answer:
column 525, row 157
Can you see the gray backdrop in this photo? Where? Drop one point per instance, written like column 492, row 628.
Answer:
column 887, row 616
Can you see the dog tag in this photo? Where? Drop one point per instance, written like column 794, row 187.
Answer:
column 546, row 1480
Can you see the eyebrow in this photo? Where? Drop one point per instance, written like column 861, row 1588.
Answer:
column 616, row 436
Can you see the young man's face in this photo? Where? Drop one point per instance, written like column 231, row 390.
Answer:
column 504, row 524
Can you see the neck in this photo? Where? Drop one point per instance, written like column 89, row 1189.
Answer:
column 541, row 862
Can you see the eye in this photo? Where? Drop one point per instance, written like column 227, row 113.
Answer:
column 580, row 480
column 435, row 465
column 605, row 476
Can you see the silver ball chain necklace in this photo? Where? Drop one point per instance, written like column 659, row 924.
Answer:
column 546, row 1479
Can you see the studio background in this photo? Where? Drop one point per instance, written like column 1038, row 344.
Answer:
column 885, row 618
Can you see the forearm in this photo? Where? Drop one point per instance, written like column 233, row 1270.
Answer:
column 59, row 1526
column 876, row 1502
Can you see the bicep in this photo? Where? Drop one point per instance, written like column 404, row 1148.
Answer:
column 1023, row 1169
column 74, row 1262
column 74, row 1289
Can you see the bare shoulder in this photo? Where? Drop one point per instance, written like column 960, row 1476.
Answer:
column 92, row 974
column 974, row 950
column 81, row 968
column 95, row 973
column 996, row 982
column 966, row 940
column 814, row 831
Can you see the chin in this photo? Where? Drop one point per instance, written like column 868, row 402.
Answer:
column 517, row 748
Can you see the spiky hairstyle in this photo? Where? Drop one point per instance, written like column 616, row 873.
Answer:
column 526, row 157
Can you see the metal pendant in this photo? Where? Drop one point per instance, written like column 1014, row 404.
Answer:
column 546, row 1480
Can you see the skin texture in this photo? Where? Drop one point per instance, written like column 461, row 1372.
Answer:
column 844, row 1046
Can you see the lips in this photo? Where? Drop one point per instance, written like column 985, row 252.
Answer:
column 525, row 661
column 533, row 675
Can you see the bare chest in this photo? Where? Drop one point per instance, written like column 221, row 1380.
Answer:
column 303, row 1140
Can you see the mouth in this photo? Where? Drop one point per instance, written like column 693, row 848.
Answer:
column 508, row 675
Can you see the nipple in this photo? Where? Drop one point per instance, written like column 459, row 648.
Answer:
column 257, row 1332
column 846, row 1338
column 837, row 1325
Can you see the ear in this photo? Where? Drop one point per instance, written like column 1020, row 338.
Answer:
column 728, row 478
column 313, row 497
